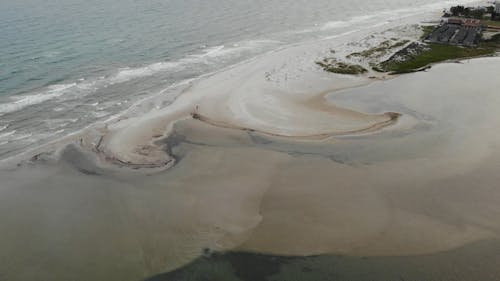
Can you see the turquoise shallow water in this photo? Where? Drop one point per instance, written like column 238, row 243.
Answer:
column 66, row 64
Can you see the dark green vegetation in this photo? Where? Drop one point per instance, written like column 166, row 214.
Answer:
column 477, row 261
column 432, row 54
column 334, row 66
column 471, row 12
column 418, row 56
column 493, row 43
column 461, row 11
column 426, row 31
column 414, row 57
column 495, row 23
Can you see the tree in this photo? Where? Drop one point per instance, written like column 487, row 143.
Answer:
column 457, row 11
column 477, row 13
column 467, row 12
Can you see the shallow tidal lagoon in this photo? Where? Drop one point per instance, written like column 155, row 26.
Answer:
column 417, row 200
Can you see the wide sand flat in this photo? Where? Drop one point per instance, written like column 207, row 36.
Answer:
column 427, row 183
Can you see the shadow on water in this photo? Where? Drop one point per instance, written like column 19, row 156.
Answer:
column 477, row 261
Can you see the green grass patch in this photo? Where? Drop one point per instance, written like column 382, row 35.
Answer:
column 426, row 31
column 435, row 53
column 493, row 42
column 491, row 23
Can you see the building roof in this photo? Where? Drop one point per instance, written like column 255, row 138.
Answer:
column 455, row 21
column 466, row 22
column 471, row 22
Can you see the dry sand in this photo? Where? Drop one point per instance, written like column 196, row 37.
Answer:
column 280, row 93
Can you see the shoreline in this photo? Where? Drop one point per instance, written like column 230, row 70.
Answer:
column 124, row 119
column 407, row 189
column 347, row 37
column 417, row 16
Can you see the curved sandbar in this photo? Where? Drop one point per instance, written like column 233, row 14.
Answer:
column 248, row 97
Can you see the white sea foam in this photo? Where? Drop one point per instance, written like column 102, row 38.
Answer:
column 208, row 53
column 340, row 24
column 100, row 114
column 21, row 137
column 53, row 124
column 7, row 134
column 130, row 73
column 127, row 74
column 86, row 86
column 14, row 136
column 20, row 102
column 385, row 16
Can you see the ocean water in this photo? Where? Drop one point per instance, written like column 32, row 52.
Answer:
column 65, row 64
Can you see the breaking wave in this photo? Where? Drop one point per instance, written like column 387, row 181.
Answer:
column 83, row 86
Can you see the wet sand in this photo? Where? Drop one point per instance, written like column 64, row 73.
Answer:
column 279, row 93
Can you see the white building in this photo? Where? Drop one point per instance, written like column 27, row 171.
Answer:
column 497, row 7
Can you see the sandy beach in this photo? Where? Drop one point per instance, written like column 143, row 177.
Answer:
column 274, row 156
column 280, row 94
